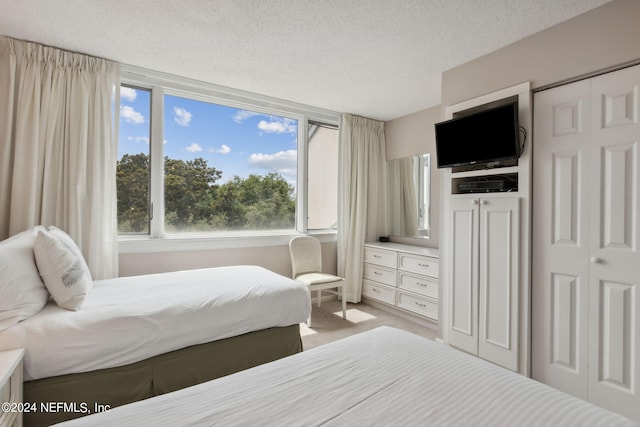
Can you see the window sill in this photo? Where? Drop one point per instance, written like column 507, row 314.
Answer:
column 209, row 241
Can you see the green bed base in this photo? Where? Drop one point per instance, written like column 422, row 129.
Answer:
column 65, row 397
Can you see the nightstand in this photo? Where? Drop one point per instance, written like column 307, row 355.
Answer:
column 11, row 387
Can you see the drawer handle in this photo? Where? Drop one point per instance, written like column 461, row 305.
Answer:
column 377, row 256
column 420, row 305
column 423, row 265
column 376, row 290
column 377, row 273
column 424, row 285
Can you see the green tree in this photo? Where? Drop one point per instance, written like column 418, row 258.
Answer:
column 257, row 202
column 132, row 179
column 188, row 191
column 194, row 200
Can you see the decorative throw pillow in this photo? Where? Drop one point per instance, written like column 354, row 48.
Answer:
column 62, row 268
column 22, row 293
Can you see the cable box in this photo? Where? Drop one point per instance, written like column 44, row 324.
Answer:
column 483, row 186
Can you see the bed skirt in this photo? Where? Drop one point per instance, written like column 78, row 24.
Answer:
column 57, row 399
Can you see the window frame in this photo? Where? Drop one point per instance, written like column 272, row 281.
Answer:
column 161, row 84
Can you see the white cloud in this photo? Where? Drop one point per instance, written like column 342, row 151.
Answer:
column 278, row 125
column 283, row 162
column 139, row 139
column 128, row 94
column 129, row 115
column 181, row 116
column 242, row 115
column 224, row 149
column 194, row 148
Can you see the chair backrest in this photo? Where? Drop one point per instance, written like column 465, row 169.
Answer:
column 306, row 255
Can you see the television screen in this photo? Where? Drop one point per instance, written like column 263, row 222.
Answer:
column 482, row 137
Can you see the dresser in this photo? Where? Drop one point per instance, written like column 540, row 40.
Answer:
column 403, row 276
column 11, row 388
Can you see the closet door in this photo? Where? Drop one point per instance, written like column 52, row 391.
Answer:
column 614, row 294
column 586, row 228
column 499, row 281
column 463, row 256
column 560, row 254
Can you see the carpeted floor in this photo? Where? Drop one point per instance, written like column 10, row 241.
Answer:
column 328, row 325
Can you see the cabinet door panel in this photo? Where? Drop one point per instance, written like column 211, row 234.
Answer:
column 499, row 281
column 463, row 300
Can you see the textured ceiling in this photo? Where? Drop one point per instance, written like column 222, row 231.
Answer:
column 375, row 58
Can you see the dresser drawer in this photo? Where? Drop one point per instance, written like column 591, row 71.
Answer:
column 419, row 264
column 381, row 257
column 378, row 292
column 380, row 274
column 423, row 285
column 418, row 304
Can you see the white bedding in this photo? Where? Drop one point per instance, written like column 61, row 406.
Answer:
column 129, row 319
column 382, row 377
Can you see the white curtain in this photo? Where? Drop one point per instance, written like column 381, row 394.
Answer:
column 58, row 147
column 363, row 196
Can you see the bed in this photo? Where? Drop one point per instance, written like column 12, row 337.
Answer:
column 381, row 377
column 137, row 337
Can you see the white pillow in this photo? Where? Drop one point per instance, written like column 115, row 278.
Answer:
column 22, row 293
column 62, row 268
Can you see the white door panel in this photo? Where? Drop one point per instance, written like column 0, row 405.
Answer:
column 586, row 228
column 463, row 301
column 614, row 330
column 560, row 238
column 498, row 292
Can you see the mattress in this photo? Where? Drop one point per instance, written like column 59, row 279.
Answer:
column 381, row 377
column 129, row 319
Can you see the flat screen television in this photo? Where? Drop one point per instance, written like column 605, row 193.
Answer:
column 485, row 136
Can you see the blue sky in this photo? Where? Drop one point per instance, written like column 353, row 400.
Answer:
column 235, row 141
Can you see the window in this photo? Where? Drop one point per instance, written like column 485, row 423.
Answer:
column 194, row 163
column 132, row 173
column 322, row 184
column 227, row 168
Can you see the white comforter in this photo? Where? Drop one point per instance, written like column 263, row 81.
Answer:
column 129, row 319
column 384, row 377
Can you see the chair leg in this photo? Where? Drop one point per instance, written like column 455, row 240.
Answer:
column 344, row 307
column 319, row 297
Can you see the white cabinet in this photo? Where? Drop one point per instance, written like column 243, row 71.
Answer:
column 402, row 275
column 586, row 252
column 484, row 281
column 485, row 275
column 11, row 387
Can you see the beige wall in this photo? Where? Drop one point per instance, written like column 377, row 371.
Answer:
column 274, row 258
column 604, row 37
column 411, row 135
